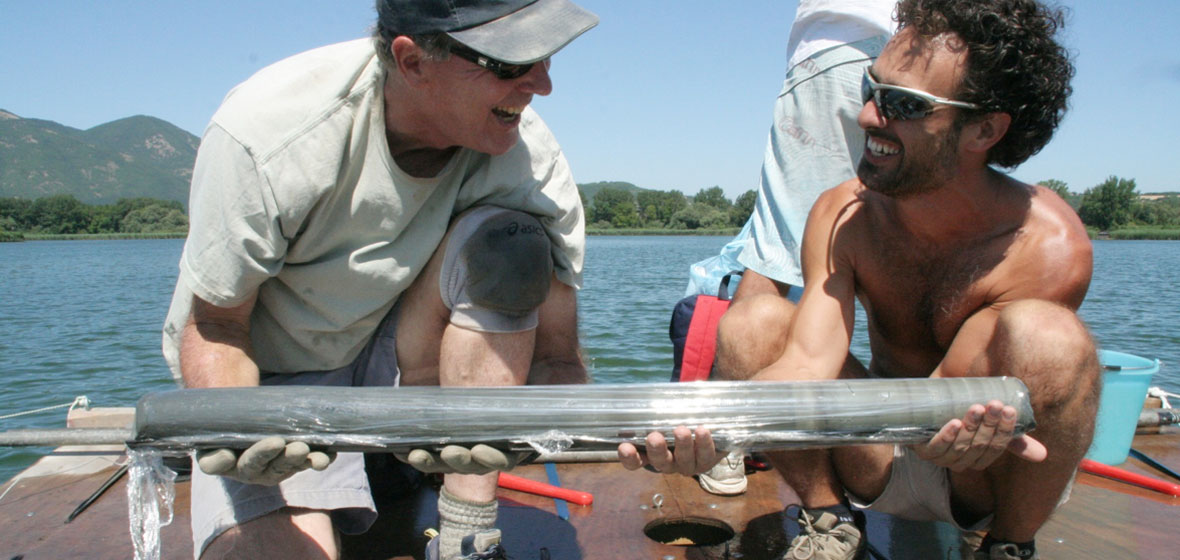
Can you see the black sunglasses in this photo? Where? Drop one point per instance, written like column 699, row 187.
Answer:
column 902, row 103
column 502, row 70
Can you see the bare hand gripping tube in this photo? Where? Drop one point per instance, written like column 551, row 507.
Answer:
column 750, row 416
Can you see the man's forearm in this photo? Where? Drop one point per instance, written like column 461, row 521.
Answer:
column 215, row 347
column 209, row 358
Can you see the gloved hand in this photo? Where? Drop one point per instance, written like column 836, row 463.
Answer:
column 268, row 462
column 480, row 459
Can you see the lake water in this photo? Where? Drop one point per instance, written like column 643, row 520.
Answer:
column 84, row 317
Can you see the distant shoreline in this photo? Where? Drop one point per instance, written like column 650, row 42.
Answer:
column 1128, row 234
column 16, row 236
column 182, row 235
column 1137, row 233
column 641, row 231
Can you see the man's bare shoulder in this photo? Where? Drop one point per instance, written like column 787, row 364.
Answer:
column 839, row 202
column 842, row 216
column 1054, row 253
column 850, row 190
column 1058, row 227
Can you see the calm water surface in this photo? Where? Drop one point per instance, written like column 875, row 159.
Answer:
column 84, row 317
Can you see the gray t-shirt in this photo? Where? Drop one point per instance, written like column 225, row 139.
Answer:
column 296, row 195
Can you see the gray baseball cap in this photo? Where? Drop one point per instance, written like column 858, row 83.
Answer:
column 512, row 31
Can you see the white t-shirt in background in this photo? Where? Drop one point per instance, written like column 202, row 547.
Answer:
column 822, row 24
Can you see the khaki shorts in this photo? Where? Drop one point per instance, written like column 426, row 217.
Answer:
column 919, row 490
column 220, row 503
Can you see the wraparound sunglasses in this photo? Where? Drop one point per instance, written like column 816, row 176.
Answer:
column 902, row 103
column 502, row 70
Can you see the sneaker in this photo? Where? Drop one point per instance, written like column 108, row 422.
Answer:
column 827, row 538
column 484, row 545
column 969, row 543
column 727, row 478
column 1003, row 551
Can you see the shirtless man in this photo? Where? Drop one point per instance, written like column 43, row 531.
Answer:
column 962, row 271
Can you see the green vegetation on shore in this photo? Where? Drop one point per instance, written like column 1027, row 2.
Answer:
column 63, row 215
column 625, row 207
column 1114, row 210
column 96, row 236
column 1125, row 234
column 662, row 231
column 1110, row 210
column 1140, row 232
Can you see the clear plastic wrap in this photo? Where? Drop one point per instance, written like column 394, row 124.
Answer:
column 549, row 419
column 150, row 496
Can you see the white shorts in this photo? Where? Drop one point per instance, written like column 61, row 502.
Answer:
column 919, row 490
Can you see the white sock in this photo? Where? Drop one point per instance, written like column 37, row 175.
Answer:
column 458, row 518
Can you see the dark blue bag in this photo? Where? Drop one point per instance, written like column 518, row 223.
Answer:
column 693, row 330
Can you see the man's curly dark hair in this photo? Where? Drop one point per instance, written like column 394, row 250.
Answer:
column 1014, row 65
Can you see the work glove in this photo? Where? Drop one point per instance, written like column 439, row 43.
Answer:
column 479, row 459
column 268, row 462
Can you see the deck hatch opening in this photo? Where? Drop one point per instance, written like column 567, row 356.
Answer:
column 689, row 531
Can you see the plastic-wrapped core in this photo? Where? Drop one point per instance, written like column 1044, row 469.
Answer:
column 750, row 416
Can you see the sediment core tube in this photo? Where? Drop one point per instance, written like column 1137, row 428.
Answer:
column 750, row 416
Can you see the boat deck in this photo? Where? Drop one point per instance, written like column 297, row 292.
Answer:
column 1103, row 518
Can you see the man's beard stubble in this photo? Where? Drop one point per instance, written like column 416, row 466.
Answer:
column 916, row 175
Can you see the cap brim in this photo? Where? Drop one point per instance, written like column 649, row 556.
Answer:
column 532, row 33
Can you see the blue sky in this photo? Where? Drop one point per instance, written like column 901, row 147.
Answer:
column 664, row 94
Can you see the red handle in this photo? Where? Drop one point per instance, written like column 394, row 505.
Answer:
column 513, row 482
column 1094, row 467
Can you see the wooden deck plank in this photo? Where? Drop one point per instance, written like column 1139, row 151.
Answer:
column 1110, row 519
column 1103, row 518
column 33, row 515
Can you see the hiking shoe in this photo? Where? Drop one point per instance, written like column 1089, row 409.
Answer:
column 827, row 538
column 1003, row 551
column 726, row 478
column 484, row 545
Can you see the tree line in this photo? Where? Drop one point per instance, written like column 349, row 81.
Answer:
column 709, row 209
column 1110, row 205
column 1114, row 204
column 64, row 214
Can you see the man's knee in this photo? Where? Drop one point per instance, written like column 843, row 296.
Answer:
column 1049, row 347
column 288, row 532
column 751, row 334
column 496, row 270
column 755, row 314
column 1044, row 328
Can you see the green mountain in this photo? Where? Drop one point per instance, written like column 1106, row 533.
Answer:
column 137, row 156
column 134, row 157
column 591, row 189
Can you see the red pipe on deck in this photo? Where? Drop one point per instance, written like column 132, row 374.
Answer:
column 1123, row 475
column 513, row 482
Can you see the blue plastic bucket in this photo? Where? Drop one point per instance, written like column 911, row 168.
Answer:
column 1125, row 380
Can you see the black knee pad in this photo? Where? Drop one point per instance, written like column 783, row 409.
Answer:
column 496, row 270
